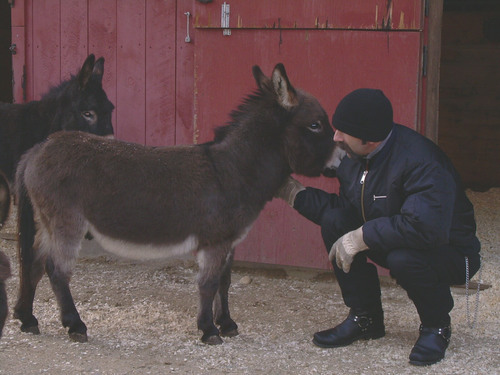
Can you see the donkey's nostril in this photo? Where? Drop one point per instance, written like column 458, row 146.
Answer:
column 336, row 157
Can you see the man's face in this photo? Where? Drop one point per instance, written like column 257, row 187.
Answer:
column 355, row 147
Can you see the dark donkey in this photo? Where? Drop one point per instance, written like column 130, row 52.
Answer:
column 148, row 203
column 78, row 103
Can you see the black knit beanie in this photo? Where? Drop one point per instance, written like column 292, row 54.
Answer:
column 365, row 114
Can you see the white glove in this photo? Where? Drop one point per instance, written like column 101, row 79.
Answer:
column 289, row 190
column 346, row 247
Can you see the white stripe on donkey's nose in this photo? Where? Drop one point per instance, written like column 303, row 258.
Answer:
column 144, row 251
column 335, row 159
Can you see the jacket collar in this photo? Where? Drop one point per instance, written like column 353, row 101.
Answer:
column 379, row 154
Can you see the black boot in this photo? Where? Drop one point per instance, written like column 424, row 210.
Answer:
column 430, row 346
column 358, row 325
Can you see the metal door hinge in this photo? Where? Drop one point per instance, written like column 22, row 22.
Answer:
column 224, row 19
column 13, row 48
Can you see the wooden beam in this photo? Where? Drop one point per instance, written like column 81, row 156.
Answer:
column 433, row 70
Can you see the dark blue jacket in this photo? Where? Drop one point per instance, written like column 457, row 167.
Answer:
column 412, row 197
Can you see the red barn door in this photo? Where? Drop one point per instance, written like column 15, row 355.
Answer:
column 329, row 48
column 138, row 41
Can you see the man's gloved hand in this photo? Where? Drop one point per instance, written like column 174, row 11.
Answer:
column 289, row 190
column 346, row 247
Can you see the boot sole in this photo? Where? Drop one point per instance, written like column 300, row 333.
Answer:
column 371, row 337
column 425, row 363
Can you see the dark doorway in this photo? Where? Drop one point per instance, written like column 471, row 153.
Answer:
column 469, row 111
column 5, row 53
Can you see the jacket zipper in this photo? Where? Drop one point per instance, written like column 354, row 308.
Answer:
column 362, row 182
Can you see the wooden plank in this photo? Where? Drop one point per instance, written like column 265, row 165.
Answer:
column 74, row 43
column 17, row 15
column 430, row 109
column 28, row 71
column 130, row 101
column 18, row 64
column 314, row 14
column 184, row 106
column 160, row 72
column 46, row 46
column 102, row 31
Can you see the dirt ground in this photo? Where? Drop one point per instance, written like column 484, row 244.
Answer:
column 142, row 320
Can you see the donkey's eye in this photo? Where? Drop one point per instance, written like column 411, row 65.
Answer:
column 315, row 127
column 88, row 115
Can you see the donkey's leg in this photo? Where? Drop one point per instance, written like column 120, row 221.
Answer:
column 31, row 264
column 4, row 274
column 221, row 304
column 59, row 280
column 30, row 272
column 211, row 262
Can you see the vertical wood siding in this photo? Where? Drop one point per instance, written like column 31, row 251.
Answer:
column 167, row 91
column 138, row 41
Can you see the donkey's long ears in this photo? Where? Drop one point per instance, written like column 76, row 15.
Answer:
column 278, row 85
column 287, row 97
column 86, row 71
column 262, row 81
column 98, row 70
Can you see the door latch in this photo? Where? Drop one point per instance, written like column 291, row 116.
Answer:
column 224, row 19
column 187, row 39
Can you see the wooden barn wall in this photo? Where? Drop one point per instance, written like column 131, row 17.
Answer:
column 329, row 48
column 138, row 41
column 169, row 91
column 469, row 113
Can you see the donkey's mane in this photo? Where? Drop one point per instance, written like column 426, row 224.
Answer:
column 259, row 98
column 55, row 91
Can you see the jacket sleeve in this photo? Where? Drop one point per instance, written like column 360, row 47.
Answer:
column 312, row 203
column 425, row 217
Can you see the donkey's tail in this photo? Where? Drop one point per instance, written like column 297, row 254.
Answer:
column 25, row 220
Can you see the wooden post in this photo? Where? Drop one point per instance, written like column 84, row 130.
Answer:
column 433, row 70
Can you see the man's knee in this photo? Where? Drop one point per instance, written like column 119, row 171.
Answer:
column 410, row 268
column 398, row 262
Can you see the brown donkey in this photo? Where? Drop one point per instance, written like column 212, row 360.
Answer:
column 146, row 203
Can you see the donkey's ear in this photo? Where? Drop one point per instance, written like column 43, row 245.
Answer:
column 98, row 70
column 86, row 71
column 287, row 97
column 262, row 81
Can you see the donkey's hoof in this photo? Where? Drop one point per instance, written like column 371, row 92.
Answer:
column 30, row 329
column 230, row 333
column 78, row 337
column 212, row 340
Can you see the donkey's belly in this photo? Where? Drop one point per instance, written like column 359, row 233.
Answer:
column 144, row 251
